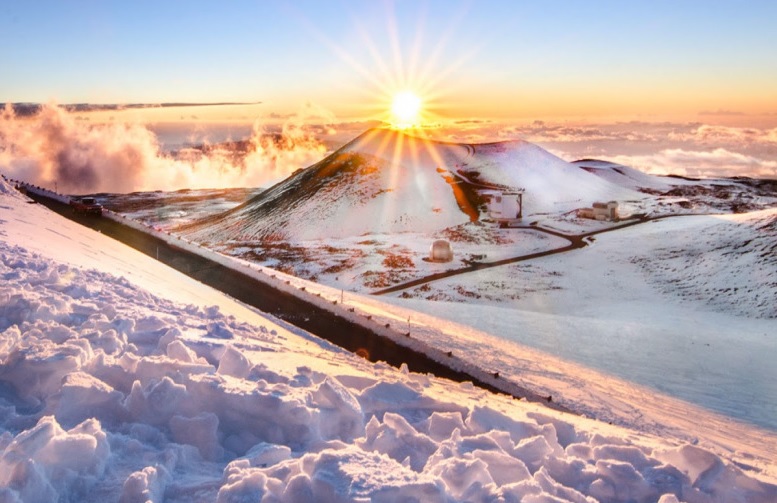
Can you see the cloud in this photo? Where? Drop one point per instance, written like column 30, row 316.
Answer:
column 693, row 149
column 32, row 109
column 54, row 148
column 276, row 115
column 472, row 121
column 541, row 131
column 721, row 112
column 706, row 164
column 666, row 134
column 736, row 137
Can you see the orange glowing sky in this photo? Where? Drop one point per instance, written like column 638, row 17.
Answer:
column 502, row 59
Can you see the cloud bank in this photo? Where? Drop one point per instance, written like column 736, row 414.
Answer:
column 691, row 149
column 700, row 164
column 54, row 149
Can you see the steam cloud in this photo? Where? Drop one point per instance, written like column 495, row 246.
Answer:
column 55, row 148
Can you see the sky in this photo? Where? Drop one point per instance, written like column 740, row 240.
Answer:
column 685, row 87
column 466, row 59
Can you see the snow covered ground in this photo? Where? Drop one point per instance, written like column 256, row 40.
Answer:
column 122, row 380
column 685, row 305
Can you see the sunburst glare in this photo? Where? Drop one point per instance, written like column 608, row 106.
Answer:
column 403, row 79
column 406, row 108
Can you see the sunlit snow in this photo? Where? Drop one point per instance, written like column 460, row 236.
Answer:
column 122, row 380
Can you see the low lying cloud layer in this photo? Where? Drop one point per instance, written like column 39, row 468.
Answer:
column 690, row 149
column 53, row 148
column 698, row 150
column 700, row 164
column 56, row 148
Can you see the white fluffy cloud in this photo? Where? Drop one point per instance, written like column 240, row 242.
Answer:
column 692, row 149
column 733, row 136
column 55, row 148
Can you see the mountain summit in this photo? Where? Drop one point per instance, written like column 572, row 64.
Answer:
column 386, row 181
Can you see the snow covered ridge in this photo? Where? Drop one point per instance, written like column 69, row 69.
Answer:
column 387, row 182
column 363, row 218
column 110, row 392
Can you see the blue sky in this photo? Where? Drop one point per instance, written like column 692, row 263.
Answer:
column 486, row 58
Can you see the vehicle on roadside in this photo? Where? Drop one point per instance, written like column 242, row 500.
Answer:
column 86, row 206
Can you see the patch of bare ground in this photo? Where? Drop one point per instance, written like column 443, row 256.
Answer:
column 416, row 293
column 467, row 294
column 355, row 170
column 299, row 260
column 397, row 261
column 475, row 232
column 518, row 281
column 382, row 279
column 440, row 296
column 744, row 196
column 499, row 291
column 286, row 257
column 398, row 267
column 335, row 260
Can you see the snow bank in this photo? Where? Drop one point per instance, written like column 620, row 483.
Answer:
column 110, row 392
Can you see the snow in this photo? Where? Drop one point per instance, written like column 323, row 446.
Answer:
column 552, row 185
column 697, row 285
column 689, row 312
column 629, row 177
column 122, row 380
column 717, row 354
column 385, row 183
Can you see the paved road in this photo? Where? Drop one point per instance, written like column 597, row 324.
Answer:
column 576, row 241
column 293, row 310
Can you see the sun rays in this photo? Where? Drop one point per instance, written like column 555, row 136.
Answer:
column 406, row 81
column 406, row 108
column 404, row 75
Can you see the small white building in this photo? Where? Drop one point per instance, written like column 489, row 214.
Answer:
column 504, row 206
column 600, row 211
column 441, row 251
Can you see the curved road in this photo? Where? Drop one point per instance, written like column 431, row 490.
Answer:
column 576, row 241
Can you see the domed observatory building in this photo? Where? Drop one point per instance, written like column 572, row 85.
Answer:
column 440, row 251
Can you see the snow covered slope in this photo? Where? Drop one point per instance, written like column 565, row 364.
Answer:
column 359, row 189
column 626, row 176
column 727, row 195
column 684, row 305
column 122, row 380
column 552, row 184
column 388, row 182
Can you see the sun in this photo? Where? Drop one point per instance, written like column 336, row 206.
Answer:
column 406, row 109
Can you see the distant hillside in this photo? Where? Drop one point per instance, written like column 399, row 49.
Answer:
column 626, row 176
column 386, row 181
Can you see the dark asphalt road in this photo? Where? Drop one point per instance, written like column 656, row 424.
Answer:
column 293, row 310
column 576, row 241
